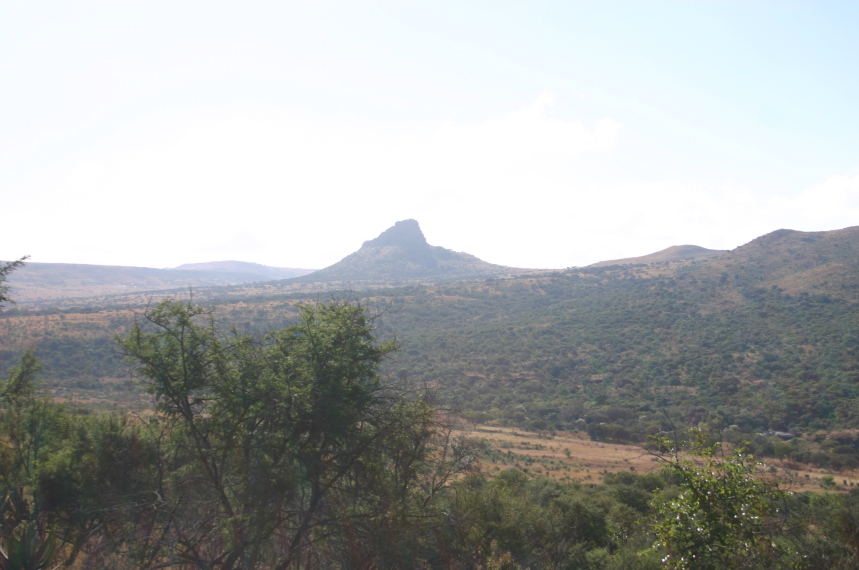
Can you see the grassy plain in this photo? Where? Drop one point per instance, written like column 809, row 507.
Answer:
column 565, row 455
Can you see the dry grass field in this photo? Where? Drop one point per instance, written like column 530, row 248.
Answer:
column 575, row 456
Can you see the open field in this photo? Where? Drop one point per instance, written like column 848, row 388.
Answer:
column 575, row 456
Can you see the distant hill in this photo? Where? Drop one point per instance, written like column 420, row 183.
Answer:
column 246, row 268
column 37, row 283
column 401, row 254
column 673, row 253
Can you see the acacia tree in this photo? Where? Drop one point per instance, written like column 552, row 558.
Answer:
column 5, row 270
column 26, row 420
column 32, row 430
column 286, row 450
column 725, row 516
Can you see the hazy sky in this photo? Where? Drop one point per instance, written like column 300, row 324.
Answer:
column 532, row 134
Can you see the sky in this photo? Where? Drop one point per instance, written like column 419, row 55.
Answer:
column 531, row 134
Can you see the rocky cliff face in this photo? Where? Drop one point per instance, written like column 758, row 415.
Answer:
column 405, row 234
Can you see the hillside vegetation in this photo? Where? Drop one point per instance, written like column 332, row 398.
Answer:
column 765, row 337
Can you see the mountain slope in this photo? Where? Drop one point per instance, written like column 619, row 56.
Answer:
column 721, row 340
column 796, row 261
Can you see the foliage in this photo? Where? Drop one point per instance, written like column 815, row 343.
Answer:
column 32, row 429
column 5, row 270
column 25, row 542
column 515, row 520
column 279, row 443
column 725, row 515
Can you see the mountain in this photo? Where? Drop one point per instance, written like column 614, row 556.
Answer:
column 264, row 272
column 401, row 254
column 673, row 253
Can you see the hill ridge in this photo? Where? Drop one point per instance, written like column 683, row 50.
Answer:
column 239, row 267
column 38, row 282
column 669, row 254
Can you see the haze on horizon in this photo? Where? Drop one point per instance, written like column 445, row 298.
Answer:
column 544, row 134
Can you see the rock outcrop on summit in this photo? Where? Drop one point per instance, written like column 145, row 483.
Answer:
column 401, row 253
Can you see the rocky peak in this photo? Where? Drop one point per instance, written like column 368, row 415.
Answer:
column 406, row 234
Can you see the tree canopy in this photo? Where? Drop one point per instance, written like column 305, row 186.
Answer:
column 5, row 270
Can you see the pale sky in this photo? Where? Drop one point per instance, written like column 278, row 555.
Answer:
column 530, row 134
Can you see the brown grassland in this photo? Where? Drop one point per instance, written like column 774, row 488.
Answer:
column 574, row 456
